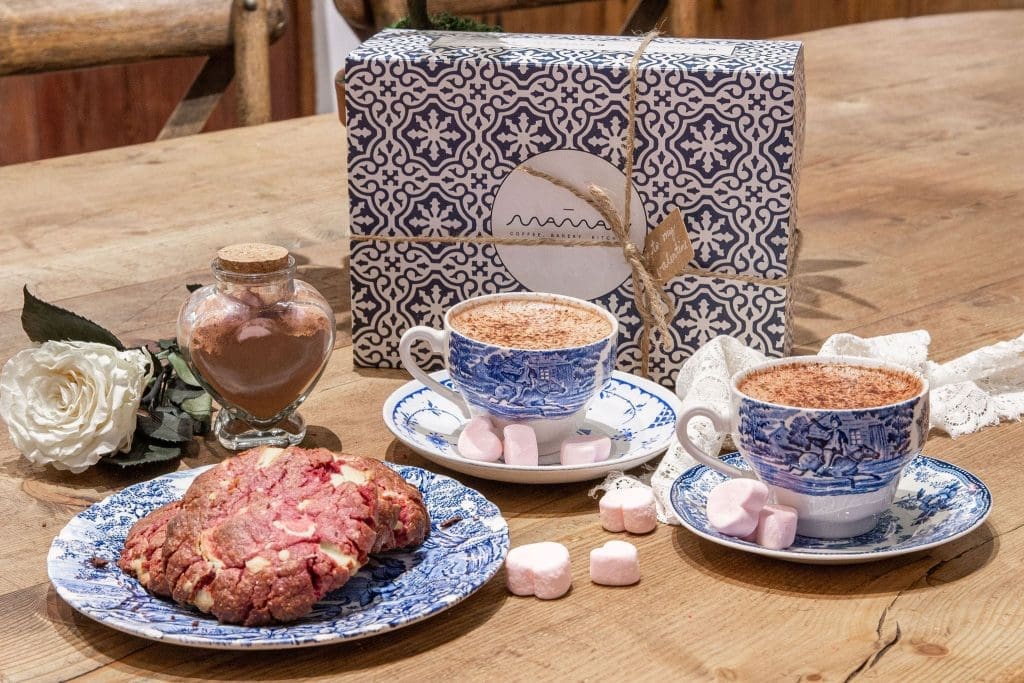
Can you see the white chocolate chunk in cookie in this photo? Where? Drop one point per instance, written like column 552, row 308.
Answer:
column 208, row 554
column 302, row 529
column 340, row 558
column 140, row 573
column 203, row 600
column 268, row 456
column 257, row 564
column 348, row 473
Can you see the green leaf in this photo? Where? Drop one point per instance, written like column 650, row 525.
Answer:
column 181, row 369
column 178, row 392
column 142, row 452
column 166, row 344
column 199, row 408
column 44, row 322
column 167, row 424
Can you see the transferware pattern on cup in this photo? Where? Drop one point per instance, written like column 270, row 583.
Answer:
column 830, row 452
column 517, row 384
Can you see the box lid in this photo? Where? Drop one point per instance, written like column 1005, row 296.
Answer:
column 527, row 50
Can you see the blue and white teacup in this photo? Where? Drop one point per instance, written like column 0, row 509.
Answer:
column 838, row 468
column 547, row 389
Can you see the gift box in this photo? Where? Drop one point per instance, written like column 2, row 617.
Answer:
column 462, row 148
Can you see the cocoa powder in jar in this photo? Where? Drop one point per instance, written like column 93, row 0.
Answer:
column 260, row 359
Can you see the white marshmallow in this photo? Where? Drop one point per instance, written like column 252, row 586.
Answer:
column 631, row 510
column 479, row 442
column 581, row 450
column 520, row 446
column 776, row 527
column 540, row 569
column 615, row 564
column 734, row 505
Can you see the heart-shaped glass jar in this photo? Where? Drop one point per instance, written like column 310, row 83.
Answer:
column 257, row 340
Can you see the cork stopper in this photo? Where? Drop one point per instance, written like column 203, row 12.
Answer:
column 252, row 258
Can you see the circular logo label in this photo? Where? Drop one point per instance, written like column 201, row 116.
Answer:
column 530, row 207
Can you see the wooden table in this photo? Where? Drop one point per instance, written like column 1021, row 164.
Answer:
column 912, row 209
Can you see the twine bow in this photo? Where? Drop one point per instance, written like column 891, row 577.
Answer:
column 653, row 304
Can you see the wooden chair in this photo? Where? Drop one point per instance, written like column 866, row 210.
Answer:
column 51, row 35
column 366, row 17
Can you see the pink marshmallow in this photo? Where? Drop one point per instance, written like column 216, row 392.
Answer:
column 540, row 569
column 479, row 442
column 776, row 527
column 631, row 510
column 521, row 446
column 582, row 450
column 734, row 505
column 615, row 564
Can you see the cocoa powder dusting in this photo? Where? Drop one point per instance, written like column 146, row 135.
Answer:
column 830, row 386
column 531, row 324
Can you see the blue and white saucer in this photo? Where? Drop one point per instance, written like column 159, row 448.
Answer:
column 936, row 502
column 638, row 414
column 467, row 545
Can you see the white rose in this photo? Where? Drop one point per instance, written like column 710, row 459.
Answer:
column 70, row 403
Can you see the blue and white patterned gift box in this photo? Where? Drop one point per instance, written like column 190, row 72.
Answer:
column 438, row 122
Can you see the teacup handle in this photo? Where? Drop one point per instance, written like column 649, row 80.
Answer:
column 436, row 339
column 721, row 424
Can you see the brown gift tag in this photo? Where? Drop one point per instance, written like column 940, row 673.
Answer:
column 667, row 248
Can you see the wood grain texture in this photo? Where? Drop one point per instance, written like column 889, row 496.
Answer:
column 759, row 19
column 251, row 31
column 69, row 112
column 193, row 111
column 911, row 203
column 51, row 36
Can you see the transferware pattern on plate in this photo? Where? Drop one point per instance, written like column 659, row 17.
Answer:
column 395, row 589
column 936, row 502
column 638, row 415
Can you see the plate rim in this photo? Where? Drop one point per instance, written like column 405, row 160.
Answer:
column 264, row 644
column 413, row 385
column 833, row 557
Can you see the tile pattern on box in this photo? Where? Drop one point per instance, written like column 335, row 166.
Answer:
column 935, row 503
column 395, row 589
column 434, row 134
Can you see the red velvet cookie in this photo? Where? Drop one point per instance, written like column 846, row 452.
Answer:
column 265, row 535
column 143, row 554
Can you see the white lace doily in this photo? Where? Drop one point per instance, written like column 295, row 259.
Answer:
column 975, row 391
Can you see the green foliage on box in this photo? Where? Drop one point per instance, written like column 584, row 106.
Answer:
column 448, row 22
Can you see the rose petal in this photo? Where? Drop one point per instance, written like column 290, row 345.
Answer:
column 70, row 403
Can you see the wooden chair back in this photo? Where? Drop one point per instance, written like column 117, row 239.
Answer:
column 39, row 36
column 366, row 17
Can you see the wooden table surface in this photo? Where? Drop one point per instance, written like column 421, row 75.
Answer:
column 912, row 208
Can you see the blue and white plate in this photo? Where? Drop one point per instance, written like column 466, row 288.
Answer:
column 935, row 503
column 638, row 415
column 395, row 589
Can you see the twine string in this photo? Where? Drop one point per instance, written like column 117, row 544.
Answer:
column 653, row 303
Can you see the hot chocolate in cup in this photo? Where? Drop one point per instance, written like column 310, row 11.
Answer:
column 522, row 358
column 829, row 435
